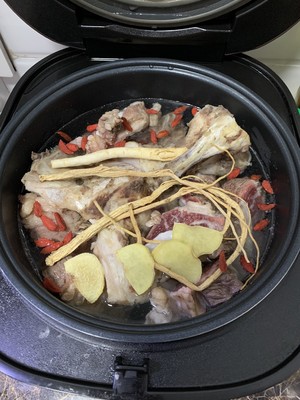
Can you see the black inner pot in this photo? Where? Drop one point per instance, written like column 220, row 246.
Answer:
column 98, row 86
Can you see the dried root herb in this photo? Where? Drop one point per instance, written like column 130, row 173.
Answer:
column 225, row 202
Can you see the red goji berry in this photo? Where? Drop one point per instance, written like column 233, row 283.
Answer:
column 255, row 177
column 153, row 137
column 83, row 144
column 43, row 242
column 72, row 146
column 151, row 111
column 52, row 247
column 162, row 134
column 180, row 110
column 194, row 111
column 266, row 207
column 63, row 147
column 64, row 135
column 92, row 127
column 176, row 120
column 48, row 223
column 126, row 124
column 50, row 285
column 234, row 173
column 222, row 261
column 267, row 186
column 37, row 209
column 68, row 237
column 247, row 265
column 120, row 143
column 260, row 225
column 61, row 225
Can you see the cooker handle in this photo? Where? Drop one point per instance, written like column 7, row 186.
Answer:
column 130, row 381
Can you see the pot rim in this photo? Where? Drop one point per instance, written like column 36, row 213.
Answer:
column 169, row 14
column 65, row 315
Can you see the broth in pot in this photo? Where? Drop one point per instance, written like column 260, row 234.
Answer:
column 147, row 211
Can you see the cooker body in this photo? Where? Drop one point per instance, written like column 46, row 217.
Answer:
column 101, row 85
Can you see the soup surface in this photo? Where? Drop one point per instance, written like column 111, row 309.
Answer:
column 147, row 211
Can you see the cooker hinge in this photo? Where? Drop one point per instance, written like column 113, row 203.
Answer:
column 130, row 381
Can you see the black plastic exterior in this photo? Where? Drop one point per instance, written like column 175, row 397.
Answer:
column 130, row 381
column 246, row 28
column 246, row 70
column 210, row 364
column 245, row 358
column 132, row 79
column 239, row 354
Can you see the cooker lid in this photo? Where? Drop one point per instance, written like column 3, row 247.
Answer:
column 198, row 30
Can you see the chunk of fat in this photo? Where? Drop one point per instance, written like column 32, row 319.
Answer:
column 27, row 202
column 202, row 206
column 105, row 247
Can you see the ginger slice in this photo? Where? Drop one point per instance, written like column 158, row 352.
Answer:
column 178, row 257
column 138, row 266
column 201, row 239
column 88, row 275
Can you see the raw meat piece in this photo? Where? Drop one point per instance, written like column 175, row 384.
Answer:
column 73, row 220
column 190, row 215
column 211, row 131
column 80, row 195
column 249, row 190
column 226, row 286
column 110, row 121
column 64, row 282
column 171, row 306
column 183, row 303
column 137, row 117
column 220, row 164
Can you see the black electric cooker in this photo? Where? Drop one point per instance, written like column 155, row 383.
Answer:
column 245, row 355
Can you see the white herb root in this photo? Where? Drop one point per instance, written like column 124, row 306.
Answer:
column 225, row 202
column 145, row 153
